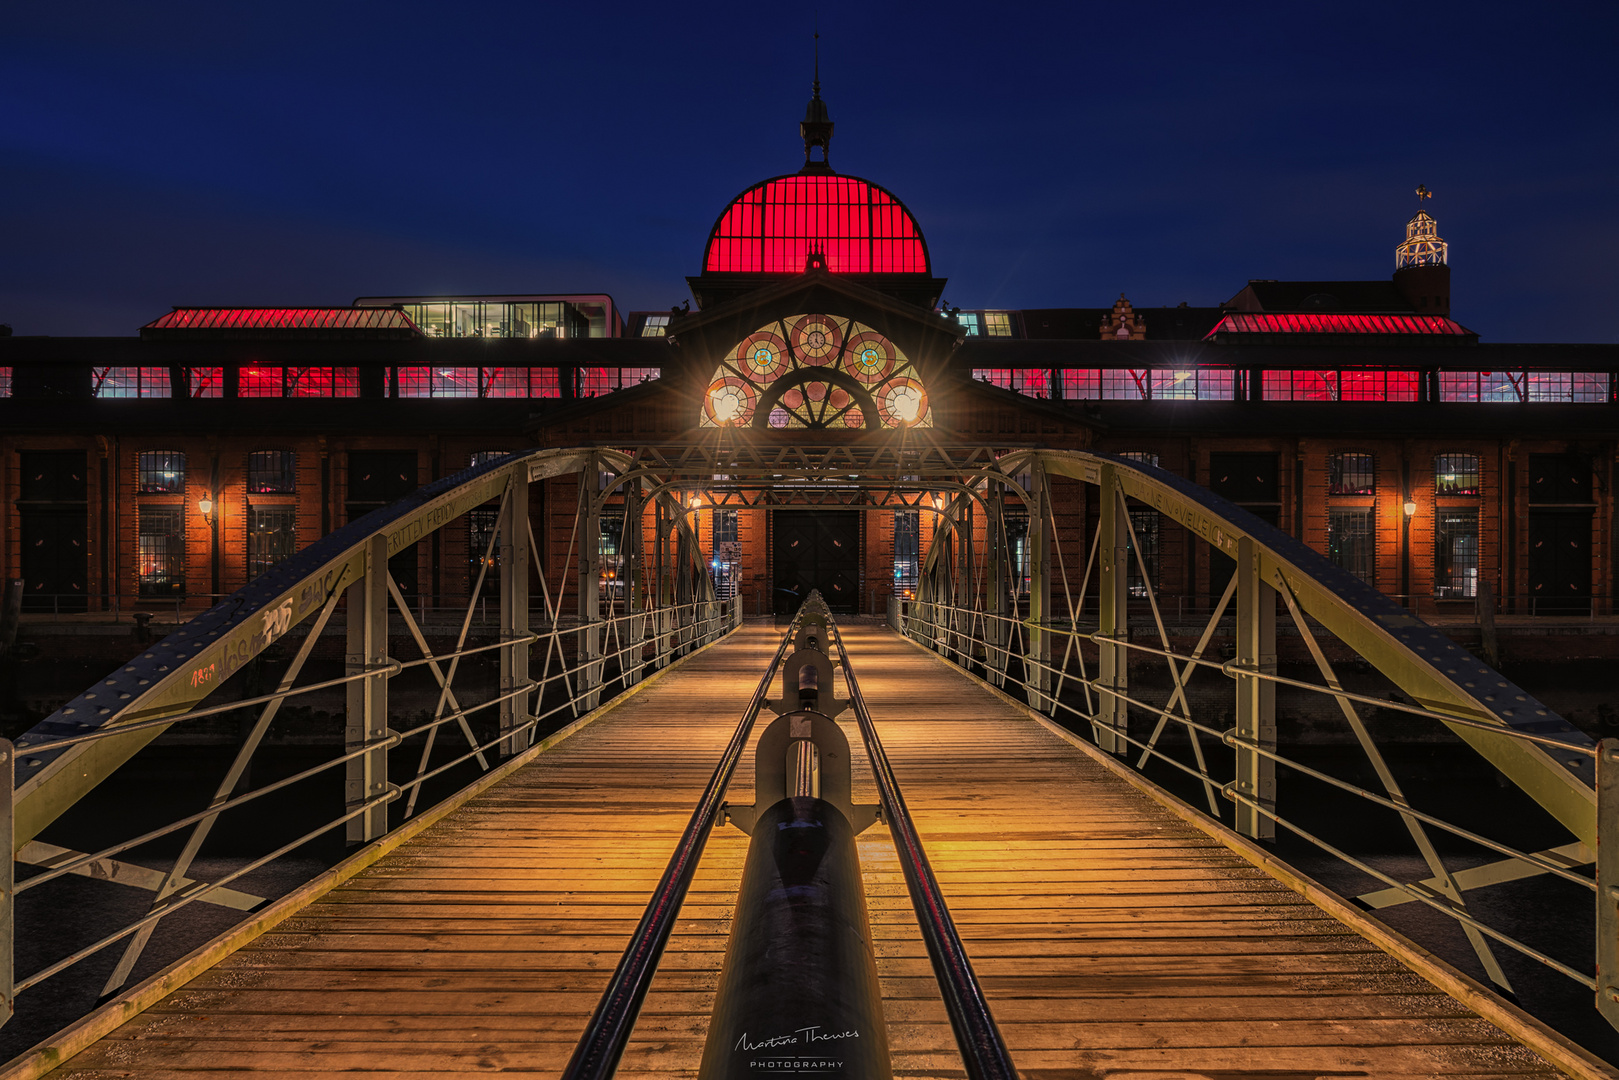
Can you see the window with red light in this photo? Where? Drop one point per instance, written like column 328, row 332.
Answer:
column 504, row 382
column 130, row 382
column 438, row 382
column 1030, row 382
column 261, row 382
column 206, row 382
column 1124, row 384
column 323, row 382
column 5, row 382
column 1081, row 384
column 596, row 381
column 858, row 227
column 634, row 376
column 544, row 383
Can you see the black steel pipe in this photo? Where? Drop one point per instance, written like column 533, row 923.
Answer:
column 602, row 1044
column 800, row 994
column 983, row 1050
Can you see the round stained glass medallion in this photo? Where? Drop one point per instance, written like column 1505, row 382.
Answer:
column 902, row 401
column 730, row 401
column 870, row 357
column 816, row 339
column 762, row 356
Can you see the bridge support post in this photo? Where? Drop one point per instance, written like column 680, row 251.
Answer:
column 590, row 564
column 1037, row 667
column 1256, row 698
column 961, row 585
column 997, row 584
column 8, row 883
column 1113, row 619
column 631, row 574
column 367, row 714
column 514, row 711
column 1607, row 958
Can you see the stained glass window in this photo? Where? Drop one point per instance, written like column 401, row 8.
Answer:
column 857, row 226
column 816, row 371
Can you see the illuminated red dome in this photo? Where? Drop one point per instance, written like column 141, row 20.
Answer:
column 773, row 227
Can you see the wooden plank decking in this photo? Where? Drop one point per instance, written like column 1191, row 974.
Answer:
column 1112, row 938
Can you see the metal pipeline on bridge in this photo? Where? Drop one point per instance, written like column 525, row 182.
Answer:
column 799, row 991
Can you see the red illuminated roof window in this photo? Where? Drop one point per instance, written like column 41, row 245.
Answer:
column 858, row 227
column 281, row 322
column 1264, row 323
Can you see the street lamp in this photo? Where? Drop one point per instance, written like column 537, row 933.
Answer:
column 205, row 507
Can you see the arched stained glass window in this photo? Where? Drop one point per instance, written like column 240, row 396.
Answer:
column 816, row 371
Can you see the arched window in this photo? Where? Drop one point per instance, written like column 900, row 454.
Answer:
column 1456, row 474
column 272, row 472
column 816, row 371
column 160, row 472
column 1351, row 472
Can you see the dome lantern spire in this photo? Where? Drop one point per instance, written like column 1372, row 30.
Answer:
column 1422, row 245
column 816, row 128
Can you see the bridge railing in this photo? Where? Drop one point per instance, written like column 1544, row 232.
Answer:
column 342, row 631
column 1066, row 643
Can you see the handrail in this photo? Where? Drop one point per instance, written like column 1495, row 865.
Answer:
column 1417, row 893
column 983, row 1050
column 605, row 1036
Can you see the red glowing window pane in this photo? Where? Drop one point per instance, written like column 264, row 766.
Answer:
column 5, row 382
column 311, row 382
column 856, row 225
column 261, row 382
column 1335, row 323
column 544, row 383
column 596, row 381
column 206, row 382
column 1081, row 384
column 504, row 382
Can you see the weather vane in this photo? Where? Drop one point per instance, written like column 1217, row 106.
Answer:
column 1423, row 193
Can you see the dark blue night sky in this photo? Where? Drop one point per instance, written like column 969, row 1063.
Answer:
column 299, row 153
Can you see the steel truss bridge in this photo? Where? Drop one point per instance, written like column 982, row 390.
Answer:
column 510, row 789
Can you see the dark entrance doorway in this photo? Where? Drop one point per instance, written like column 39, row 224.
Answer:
column 377, row 478
column 1560, row 561
column 1253, row 482
column 816, row 549
column 55, row 529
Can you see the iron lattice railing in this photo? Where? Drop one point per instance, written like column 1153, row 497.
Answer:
column 499, row 683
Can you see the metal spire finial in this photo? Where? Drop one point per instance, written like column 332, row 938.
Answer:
column 817, row 56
